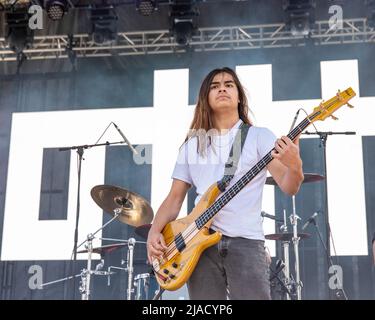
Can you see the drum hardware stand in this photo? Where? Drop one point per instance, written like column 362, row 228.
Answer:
column 117, row 212
column 294, row 286
column 60, row 280
column 129, row 265
column 294, row 221
column 146, row 286
column 84, row 287
column 85, row 274
column 285, row 245
column 130, row 268
column 109, row 273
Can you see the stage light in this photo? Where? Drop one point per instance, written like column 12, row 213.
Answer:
column 18, row 35
column 183, row 30
column 104, row 25
column 146, row 7
column 56, row 9
column 182, row 19
column 300, row 15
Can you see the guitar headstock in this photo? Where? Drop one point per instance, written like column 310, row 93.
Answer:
column 327, row 108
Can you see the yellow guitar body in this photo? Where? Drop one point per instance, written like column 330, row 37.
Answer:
column 181, row 265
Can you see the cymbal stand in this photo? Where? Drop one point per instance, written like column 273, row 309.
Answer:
column 129, row 267
column 84, row 287
column 294, row 221
column 117, row 212
column 59, row 280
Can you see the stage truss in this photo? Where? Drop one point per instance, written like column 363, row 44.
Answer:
column 205, row 40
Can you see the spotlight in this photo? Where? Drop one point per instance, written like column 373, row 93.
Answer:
column 183, row 23
column 300, row 24
column 18, row 36
column 56, row 9
column 300, row 16
column 104, row 25
column 183, row 30
column 146, row 7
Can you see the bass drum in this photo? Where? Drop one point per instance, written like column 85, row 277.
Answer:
column 146, row 286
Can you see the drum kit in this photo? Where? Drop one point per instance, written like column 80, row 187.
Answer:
column 290, row 287
column 129, row 208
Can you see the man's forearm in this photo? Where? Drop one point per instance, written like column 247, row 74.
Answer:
column 292, row 179
column 167, row 212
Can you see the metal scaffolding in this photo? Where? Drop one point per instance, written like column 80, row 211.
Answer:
column 206, row 39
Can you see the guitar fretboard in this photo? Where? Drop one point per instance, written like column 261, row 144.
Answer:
column 210, row 212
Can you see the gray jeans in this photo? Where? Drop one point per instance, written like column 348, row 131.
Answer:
column 234, row 268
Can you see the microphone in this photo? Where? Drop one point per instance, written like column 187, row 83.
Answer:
column 294, row 120
column 270, row 216
column 309, row 220
column 126, row 140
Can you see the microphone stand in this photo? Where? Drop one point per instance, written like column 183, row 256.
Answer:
column 80, row 151
column 329, row 258
column 323, row 136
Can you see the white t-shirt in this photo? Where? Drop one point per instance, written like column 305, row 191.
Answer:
column 241, row 216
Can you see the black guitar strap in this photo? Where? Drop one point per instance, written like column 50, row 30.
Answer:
column 234, row 156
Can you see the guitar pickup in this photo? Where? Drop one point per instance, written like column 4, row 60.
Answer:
column 180, row 242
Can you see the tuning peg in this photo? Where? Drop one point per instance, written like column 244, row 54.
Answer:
column 339, row 96
column 350, row 105
column 334, row 118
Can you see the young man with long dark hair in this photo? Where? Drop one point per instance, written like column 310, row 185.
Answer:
column 236, row 266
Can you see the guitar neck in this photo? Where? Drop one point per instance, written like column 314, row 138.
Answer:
column 210, row 212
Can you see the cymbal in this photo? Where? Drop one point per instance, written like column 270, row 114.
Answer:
column 142, row 231
column 105, row 249
column 308, row 177
column 285, row 236
column 134, row 210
